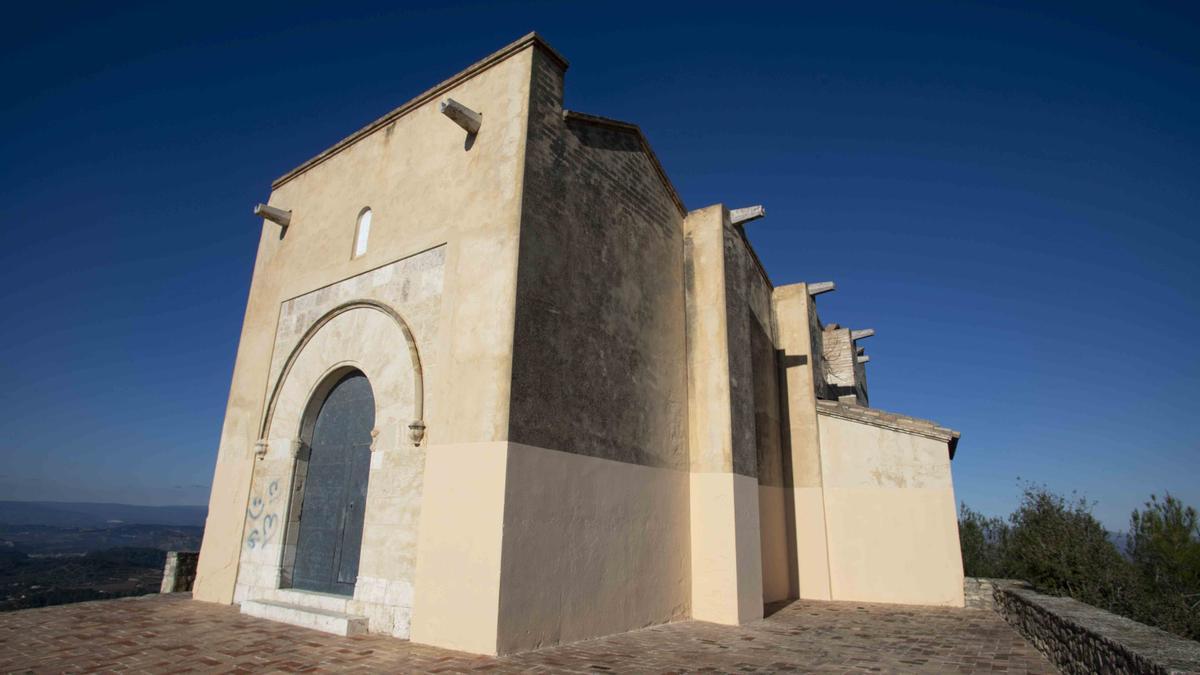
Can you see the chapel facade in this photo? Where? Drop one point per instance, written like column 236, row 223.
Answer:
column 497, row 388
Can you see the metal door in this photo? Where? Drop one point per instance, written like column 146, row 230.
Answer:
column 335, row 490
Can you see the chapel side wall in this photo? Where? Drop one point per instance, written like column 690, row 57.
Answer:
column 426, row 186
column 596, row 506
column 725, row 533
column 801, row 378
column 776, row 521
column 893, row 530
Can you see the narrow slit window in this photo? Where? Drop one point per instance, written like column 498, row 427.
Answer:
column 362, row 233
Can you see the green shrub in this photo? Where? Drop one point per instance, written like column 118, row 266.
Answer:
column 1164, row 546
column 1057, row 545
column 983, row 540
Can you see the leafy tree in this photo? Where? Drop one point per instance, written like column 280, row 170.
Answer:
column 1058, row 546
column 983, row 540
column 1164, row 546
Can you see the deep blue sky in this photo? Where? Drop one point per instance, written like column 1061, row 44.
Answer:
column 1008, row 195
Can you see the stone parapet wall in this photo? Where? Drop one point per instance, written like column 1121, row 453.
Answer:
column 979, row 593
column 179, row 571
column 1079, row 638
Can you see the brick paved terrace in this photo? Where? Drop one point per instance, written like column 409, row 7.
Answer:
column 170, row 633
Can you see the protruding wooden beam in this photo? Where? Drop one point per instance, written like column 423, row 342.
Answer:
column 277, row 216
column 462, row 115
column 743, row 216
column 860, row 350
column 864, row 359
column 821, row 287
column 861, row 334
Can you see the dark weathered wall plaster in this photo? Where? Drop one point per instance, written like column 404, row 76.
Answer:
column 599, row 348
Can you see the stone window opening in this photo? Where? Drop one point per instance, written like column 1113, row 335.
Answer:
column 362, row 232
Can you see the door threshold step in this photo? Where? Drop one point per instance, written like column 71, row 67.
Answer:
column 306, row 617
column 330, row 602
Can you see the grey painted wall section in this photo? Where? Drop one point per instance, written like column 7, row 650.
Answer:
column 767, row 423
column 598, row 347
column 739, row 292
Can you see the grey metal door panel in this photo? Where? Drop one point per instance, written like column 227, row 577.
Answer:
column 356, row 499
column 331, row 520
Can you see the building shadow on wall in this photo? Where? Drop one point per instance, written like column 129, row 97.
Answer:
column 784, row 362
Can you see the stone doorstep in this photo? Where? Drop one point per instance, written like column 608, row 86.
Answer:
column 323, row 620
column 329, row 602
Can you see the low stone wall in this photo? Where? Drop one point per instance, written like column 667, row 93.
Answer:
column 179, row 572
column 979, row 593
column 1079, row 638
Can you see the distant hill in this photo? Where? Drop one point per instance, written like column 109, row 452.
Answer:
column 1120, row 540
column 86, row 514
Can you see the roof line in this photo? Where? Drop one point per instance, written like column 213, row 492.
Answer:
column 889, row 420
column 754, row 254
column 530, row 39
column 574, row 116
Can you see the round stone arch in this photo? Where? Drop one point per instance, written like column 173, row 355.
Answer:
column 371, row 338
column 365, row 335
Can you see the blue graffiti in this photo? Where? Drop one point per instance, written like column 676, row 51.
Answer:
column 265, row 528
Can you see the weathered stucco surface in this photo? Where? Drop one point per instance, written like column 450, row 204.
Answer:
column 599, row 317
column 893, row 535
column 596, row 488
column 426, row 187
column 775, row 516
column 726, row 550
column 620, row 409
column 800, row 382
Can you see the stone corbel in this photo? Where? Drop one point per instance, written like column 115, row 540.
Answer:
column 746, row 215
column 375, row 439
column 815, row 289
column 260, row 449
column 278, row 216
column 416, row 431
column 461, row 115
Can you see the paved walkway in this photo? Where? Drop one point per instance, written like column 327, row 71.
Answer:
column 170, row 633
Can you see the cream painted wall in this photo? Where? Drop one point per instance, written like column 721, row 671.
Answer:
column 778, row 555
column 591, row 547
column 812, row 544
column 794, row 316
column 726, row 549
column 727, row 564
column 459, row 547
column 426, row 186
column 893, row 532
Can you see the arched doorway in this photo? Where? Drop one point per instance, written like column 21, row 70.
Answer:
column 330, row 527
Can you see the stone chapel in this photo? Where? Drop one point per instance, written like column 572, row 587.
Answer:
column 497, row 388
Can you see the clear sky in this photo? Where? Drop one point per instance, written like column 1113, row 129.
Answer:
column 1008, row 195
